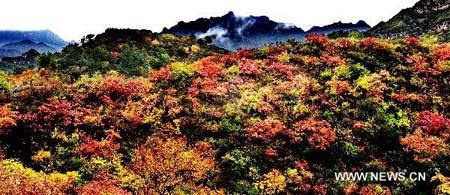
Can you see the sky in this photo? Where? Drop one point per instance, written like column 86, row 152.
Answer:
column 72, row 19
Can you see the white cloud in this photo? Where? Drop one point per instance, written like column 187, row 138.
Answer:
column 218, row 32
column 74, row 18
column 247, row 22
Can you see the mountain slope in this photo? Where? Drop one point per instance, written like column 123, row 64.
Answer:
column 425, row 17
column 46, row 36
column 233, row 32
column 340, row 26
column 26, row 45
column 9, row 52
column 130, row 51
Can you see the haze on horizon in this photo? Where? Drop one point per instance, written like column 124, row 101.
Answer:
column 72, row 19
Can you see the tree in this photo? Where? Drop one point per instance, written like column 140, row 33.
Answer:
column 171, row 164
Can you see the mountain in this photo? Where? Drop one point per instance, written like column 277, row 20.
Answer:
column 9, row 52
column 130, row 51
column 233, row 32
column 26, row 59
column 46, row 36
column 26, row 45
column 340, row 26
column 425, row 17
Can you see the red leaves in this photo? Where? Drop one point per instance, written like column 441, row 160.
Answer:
column 271, row 153
column 281, row 69
column 412, row 41
column 207, row 68
column 319, row 134
column 442, row 52
column 163, row 74
column 371, row 44
column 245, row 53
column 7, row 119
column 209, row 87
column 94, row 148
column 102, row 184
column 249, row 68
column 418, row 62
column 317, row 39
column 63, row 113
column 229, row 59
column 332, row 60
column 373, row 189
column 339, row 87
column 265, row 130
column 424, row 147
column 117, row 89
column 432, row 123
column 405, row 97
column 344, row 43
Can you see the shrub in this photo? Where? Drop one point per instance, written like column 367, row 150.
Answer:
column 318, row 134
column 265, row 130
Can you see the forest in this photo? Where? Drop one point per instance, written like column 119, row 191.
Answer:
column 136, row 112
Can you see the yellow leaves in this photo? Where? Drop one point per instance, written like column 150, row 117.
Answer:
column 126, row 178
column 155, row 42
column 170, row 163
column 284, row 57
column 301, row 109
column 16, row 179
column 233, row 70
column 92, row 120
column 41, row 155
column 63, row 181
column 154, row 117
column 443, row 184
column 168, row 37
column 5, row 85
column 195, row 48
column 181, row 70
column 374, row 84
column 273, row 182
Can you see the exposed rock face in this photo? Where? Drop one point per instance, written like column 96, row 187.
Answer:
column 425, row 17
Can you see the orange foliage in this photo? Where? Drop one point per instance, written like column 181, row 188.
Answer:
column 105, row 148
column 101, row 185
column 424, row 147
column 266, row 130
column 7, row 119
column 319, row 134
column 166, row 164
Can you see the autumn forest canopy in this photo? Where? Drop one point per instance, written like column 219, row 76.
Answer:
column 136, row 112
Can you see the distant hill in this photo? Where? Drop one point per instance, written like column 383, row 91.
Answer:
column 233, row 32
column 15, row 43
column 425, row 17
column 9, row 52
column 26, row 45
column 340, row 26
column 46, row 36
column 130, row 51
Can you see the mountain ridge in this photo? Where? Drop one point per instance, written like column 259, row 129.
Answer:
column 15, row 43
column 232, row 32
column 425, row 17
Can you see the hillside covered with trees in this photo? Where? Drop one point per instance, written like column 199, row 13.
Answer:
column 135, row 112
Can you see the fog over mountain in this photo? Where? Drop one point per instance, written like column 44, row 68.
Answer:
column 232, row 32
